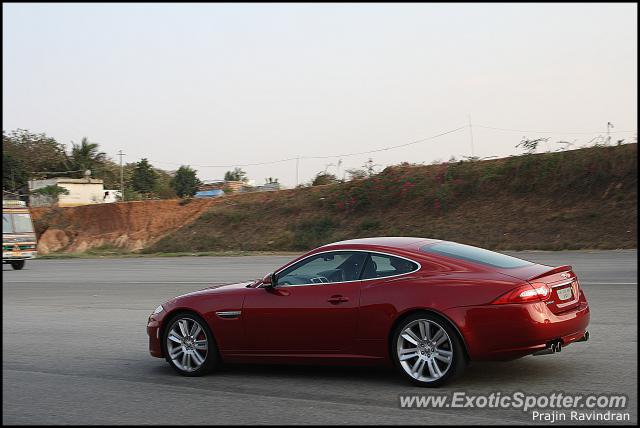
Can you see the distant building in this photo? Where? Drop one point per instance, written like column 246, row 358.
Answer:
column 268, row 187
column 225, row 186
column 214, row 193
column 211, row 185
column 82, row 191
column 235, row 186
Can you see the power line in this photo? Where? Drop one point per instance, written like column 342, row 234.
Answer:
column 297, row 158
column 231, row 165
column 422, row 140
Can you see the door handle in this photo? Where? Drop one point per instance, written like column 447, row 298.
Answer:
column 334, row 300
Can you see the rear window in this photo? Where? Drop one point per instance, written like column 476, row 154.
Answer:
column 382, row 265
column 475, row 254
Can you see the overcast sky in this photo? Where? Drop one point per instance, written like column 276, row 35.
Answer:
column 211, row 84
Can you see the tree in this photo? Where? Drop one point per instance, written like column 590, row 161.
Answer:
column 163, row 187
column 324, row 178
column 50, row 193
column 357, row 174
column 185, row 182
column 236, row 175
column 144, row 177
column 86, row 156
column 14, row 173
column 109, row 172
column 530, row 146
column 25, row 153
column 370, row 167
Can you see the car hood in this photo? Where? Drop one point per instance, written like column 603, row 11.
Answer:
column 217, row 289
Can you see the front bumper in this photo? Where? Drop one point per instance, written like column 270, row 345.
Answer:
column 502, row 332
column 154, row 325
column 8, row 256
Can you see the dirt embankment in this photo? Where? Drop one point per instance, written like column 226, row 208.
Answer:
column 577, row 199
column 130, row 225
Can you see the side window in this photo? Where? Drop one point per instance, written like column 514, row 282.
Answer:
column 381, row 265
column 324, row 268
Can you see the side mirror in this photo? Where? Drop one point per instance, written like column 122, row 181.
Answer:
column 268, row 281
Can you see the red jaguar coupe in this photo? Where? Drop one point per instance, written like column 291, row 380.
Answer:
column 426, row 306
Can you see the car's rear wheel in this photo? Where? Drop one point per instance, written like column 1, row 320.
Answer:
column 427, row 350
column 18, row 264
column 189, row 345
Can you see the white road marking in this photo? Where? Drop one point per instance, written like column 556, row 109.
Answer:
column 608, row 283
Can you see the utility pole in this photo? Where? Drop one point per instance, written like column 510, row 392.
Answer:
column 609, row 126
column 297, row 167
column 121, row 154
column 470, row 133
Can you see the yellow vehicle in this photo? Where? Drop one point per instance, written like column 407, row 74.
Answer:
column 18, row 236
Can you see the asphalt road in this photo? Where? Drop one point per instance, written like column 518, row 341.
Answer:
column 75, row 352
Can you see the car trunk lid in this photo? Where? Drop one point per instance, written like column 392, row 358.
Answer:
column 561, row 280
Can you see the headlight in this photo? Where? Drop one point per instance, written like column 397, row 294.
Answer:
column 158, row 310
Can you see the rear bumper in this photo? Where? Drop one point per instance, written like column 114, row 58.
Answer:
column 502, row 332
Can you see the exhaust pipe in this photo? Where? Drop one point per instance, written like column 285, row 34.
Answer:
column 552, row 348
column 556, row 345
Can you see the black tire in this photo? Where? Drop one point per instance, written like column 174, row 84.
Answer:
column 211, row 357
column 426, row 352
column 18, row 264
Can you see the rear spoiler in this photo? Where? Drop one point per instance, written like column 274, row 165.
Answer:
column 563, row 268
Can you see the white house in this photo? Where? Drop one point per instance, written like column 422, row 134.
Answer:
column 82, row 191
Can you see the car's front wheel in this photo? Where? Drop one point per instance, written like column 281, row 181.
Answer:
column 189, row 345
column 427, row 350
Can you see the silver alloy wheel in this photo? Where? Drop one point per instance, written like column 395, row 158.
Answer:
column 187, row 344
column 424, row 350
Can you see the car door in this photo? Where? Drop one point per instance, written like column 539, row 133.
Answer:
column 312, row 307
column 383, row 291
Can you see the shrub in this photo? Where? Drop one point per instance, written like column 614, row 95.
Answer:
column 369, row 224
column 312, row 232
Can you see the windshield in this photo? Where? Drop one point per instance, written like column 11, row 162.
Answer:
column 475, row 254
column 16, row 223
column 7, row 224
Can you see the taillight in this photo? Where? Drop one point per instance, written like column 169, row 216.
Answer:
column 525, row 293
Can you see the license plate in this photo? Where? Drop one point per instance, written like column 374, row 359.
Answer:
column 565, row 293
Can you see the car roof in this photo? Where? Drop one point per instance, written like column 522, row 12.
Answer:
column 400, row 242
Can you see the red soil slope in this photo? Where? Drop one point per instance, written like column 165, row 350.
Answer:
column 128, row 225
